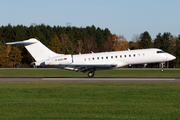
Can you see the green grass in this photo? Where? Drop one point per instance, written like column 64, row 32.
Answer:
column 40, row 101
column 138, row 101
column 103, row 73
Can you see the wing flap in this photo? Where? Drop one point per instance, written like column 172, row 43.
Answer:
column 89, row 65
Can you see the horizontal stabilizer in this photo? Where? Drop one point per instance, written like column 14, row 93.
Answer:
column 20, row 43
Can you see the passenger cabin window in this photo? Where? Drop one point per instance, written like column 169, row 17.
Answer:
column 93, row 58
column 107, row 57
column 129, row 55
column 98, row 58
column 89, row 59
column 115, row 56
column 111, row 57
column 120, row 56
column 101, row 57
column 134, row 55
column 84, row 59
column 124, row 55
column 161, row 52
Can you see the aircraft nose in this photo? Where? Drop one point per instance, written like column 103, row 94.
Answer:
column 171, row 57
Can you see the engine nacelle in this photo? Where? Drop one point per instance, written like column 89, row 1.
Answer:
column 38, row 63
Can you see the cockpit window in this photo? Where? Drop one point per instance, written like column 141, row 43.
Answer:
column 161, row 52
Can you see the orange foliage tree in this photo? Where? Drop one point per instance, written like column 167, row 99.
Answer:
column 90, row 44
column 116, row 43
column 55, row 45
column 108, row 45
column 67, row 45
column 10, row 57
column 79, row 44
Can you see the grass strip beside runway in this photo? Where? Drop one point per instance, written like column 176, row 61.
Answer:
column 103, row 73
column 145, row 101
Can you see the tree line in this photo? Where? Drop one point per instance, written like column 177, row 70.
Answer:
column 73, row 40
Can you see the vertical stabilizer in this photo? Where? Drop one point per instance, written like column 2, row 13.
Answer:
column 38, row 50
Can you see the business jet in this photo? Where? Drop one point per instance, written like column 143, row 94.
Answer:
column 93, row 61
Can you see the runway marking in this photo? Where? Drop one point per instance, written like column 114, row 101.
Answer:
column 95, row 79
column 108, row 79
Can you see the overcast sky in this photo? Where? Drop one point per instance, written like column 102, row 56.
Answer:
column 121, row 17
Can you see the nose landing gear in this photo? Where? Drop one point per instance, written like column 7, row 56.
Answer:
column 162, row 64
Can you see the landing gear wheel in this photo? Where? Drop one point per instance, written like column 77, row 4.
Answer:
column 91, row 74
column 162, row 70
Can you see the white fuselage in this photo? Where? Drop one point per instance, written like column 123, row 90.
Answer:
column 118, row 58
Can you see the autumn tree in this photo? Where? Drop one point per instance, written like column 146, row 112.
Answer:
column 67, row 45
column 10, row 56
column 120, row 43
column 6, row 60
column 79, row 47
column 116, row 43
column 2, row 54
column 135, row 43
column 90, row 44
column 108, row 45
column 124, row 45
column 15, row 56
column 55, row 45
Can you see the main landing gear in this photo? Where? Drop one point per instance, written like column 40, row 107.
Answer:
column 91, row 74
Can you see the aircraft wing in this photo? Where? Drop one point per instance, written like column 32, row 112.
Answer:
column 87, row 67
column 90, row 65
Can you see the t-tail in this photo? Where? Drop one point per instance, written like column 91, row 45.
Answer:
column 38, row 50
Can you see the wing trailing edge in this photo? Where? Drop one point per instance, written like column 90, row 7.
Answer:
column 90, row 65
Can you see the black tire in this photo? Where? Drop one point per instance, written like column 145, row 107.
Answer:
column 91, row 74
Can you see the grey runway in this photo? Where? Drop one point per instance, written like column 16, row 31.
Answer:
column 95, row 79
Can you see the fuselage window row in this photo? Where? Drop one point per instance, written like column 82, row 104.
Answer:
column 134, row 55
column 125, row 56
